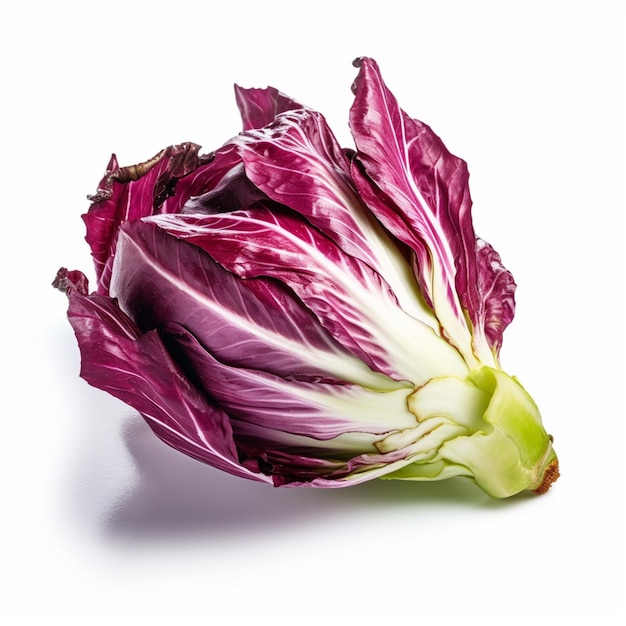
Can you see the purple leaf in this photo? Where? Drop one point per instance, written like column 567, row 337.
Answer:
column 253, row 323
column 420, row 192
column 495, row 309
column 218, row 185
column 136, row 368
column 348, row 298
column 297, row 162
column 295, row 409
column 129, row 193
column 259, row 107
column 293, row 466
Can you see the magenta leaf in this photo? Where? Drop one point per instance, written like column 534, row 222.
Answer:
column 129, row 193
column 350, row 300
column 420, row 192
column 137, row 368
column 252, row 323
column 259, row 107
column 297, row 162
column 318, row 410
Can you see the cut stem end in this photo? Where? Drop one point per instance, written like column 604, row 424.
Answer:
column 549, row 476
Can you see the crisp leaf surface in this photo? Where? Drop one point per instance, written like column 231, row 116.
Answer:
column 420, row 192
column 350, row 300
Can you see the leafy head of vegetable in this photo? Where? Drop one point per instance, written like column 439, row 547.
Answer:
column 303, row 314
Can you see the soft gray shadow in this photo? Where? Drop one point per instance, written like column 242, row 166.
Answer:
column 176, row 496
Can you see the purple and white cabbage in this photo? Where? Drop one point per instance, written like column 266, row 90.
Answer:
column 301, row 314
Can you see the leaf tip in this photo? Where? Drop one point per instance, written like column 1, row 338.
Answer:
column 66, row 280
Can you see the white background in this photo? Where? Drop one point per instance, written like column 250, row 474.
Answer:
column 103, row 524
